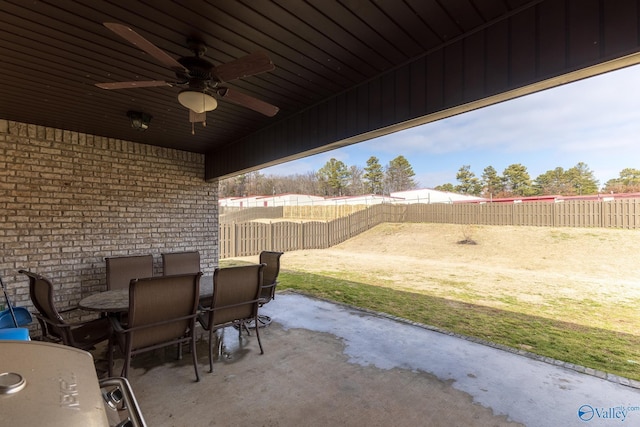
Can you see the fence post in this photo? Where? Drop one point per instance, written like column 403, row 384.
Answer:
column 327, row 232
column 302, row 244
column 232, row 239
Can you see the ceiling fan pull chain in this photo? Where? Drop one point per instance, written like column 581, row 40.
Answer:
column 197, row 118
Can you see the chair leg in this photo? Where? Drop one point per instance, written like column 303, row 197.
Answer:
column 219, row 342
column 194, row 356
column 127, row 359
column 210, row 349
column 258, row 335
column 110, row 357
column 243, row 324
column 125, row 368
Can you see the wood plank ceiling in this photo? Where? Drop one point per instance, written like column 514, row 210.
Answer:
column 53, row 52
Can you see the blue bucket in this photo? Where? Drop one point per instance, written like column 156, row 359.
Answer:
column 15, row 334
column 22, row 317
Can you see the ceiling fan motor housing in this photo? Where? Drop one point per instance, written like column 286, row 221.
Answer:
column 199, row 68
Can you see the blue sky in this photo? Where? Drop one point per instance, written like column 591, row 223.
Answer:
column 595, row 121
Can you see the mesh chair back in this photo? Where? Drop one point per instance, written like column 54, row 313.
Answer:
column 120, row 270
column 270, row 274
column 41, row 293
column 235, row 293
column 160, row 299
column 181, row 263
column 82, row 335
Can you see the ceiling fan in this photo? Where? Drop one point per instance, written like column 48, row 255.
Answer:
column 200, row 78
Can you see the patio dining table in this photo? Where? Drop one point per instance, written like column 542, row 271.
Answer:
column 117, row 300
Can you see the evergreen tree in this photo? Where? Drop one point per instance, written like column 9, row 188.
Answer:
column 399, row 175
column 627, row 182
column 333, row 177
column 630, row 177
column 552, row 182
column 469, row 183
column 517, row 180
column 446, row 187
column 492, row 184
column 374, row 176
column 581, row 180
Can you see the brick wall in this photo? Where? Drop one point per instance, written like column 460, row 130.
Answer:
column 68, row 200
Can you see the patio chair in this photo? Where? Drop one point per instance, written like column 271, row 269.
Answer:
column 269, row 282
column 83, row 335
column 236, row 293
column 121, row 269
column 162, row 312
column 181, row 262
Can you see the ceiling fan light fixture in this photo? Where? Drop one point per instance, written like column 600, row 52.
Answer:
column 196, row 101
column 139, row 120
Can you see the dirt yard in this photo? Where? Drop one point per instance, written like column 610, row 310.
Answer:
column 540, row 266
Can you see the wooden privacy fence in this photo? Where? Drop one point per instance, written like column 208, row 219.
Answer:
column 249, row 238
column 623, row 213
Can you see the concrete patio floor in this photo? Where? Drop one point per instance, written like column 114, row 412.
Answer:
column 326, row 364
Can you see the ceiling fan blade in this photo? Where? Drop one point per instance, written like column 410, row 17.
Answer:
column 133, row 85
column 249, row 65
column 137, row 40
column 247, row 101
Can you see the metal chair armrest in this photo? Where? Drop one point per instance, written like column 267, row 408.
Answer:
column 118, row 328
column 116, row 325
column 270, row 285
column 47, row 321
column 208, row 309
column 68, row 310
column 268, row 288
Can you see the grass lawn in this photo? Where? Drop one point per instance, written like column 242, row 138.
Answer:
column 601, row 349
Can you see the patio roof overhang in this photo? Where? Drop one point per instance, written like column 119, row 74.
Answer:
column 345, row 71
